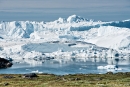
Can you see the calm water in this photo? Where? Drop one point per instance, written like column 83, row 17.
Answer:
column 66, row 67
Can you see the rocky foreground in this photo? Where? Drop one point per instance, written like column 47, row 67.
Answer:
column 76, row 80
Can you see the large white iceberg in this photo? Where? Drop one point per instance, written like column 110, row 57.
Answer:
column 75, row 36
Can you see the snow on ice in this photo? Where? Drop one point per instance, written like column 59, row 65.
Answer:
column 74, row 37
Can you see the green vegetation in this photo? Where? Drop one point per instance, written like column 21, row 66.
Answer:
column 76, row 80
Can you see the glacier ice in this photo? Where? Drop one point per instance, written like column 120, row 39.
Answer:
column 75, row 18
column 42, row 40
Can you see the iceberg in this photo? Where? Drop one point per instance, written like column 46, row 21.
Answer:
column 76, row 36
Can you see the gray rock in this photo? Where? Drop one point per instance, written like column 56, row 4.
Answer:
column 30, row 75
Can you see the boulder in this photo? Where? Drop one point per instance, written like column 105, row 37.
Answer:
column 4, row 63
column 29, row 75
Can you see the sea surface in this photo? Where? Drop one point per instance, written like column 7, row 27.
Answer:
column 63, row 67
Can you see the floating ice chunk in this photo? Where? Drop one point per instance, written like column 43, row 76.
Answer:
column 37, row 71
column 100, row 67
column 109, row 67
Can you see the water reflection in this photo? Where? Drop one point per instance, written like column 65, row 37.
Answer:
column 70, row 65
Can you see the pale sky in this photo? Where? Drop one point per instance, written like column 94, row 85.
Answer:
column 50, row 10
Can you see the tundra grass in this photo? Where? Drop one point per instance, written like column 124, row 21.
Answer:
column 74, row 80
